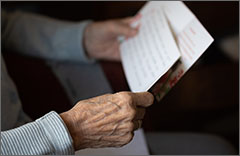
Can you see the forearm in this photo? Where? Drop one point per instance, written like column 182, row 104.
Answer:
column 47, row 135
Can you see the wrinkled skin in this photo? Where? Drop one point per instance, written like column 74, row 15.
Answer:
column 108, row 120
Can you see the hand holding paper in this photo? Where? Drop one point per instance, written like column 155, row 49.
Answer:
column 169, row 33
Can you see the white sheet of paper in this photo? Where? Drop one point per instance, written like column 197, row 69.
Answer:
column 147, row 56
column 191, row 38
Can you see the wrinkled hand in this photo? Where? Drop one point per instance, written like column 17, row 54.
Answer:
column 108, row 120
column 100, row 38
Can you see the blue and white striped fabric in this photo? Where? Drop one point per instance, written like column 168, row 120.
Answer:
column 46, row 38
column 47, row 135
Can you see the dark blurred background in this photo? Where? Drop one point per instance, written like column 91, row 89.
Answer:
column 205, row 100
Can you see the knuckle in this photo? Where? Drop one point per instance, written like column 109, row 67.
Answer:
column 119, row 145
column 130, row 126
column 126, row 97
column 126, row 139
column 129, row 137
column 132, row 113
column 108, row 94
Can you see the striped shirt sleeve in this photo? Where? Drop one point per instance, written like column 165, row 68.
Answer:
column 47, row 135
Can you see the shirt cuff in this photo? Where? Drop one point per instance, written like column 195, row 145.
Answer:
column 57, row 133
column 82, row 52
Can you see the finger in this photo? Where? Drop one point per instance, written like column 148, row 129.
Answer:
column 137, row 124
column 140, row 113
column 119, row 28
column 130, row 20
column 111, row 140
column 113, row 54
column 116, row 137
column 116, row 55
column 121, row 138
column 143, row 99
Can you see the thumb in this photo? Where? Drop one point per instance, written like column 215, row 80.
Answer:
column 143, row 99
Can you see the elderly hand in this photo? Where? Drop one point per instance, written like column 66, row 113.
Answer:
column 108, row 120
column 100, row 38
